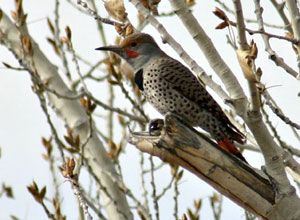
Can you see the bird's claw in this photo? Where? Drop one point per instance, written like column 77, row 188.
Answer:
column 155, row 127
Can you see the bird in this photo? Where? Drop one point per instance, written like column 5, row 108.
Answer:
column 170, row 87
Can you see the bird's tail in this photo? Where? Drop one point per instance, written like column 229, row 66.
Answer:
column 227, row 145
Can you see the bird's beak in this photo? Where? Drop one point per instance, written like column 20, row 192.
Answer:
column 116, row 49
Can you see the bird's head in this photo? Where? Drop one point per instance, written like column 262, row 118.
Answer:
column 137, row 49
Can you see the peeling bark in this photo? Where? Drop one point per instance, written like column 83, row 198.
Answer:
column 248, row 187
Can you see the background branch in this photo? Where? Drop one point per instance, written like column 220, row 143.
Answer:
column 73, row 114
column 253, row 118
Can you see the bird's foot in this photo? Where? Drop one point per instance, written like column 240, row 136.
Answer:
column 155, row 127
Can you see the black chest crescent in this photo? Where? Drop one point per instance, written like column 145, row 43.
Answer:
column 138, row 79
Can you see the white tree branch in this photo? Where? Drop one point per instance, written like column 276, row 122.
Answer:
column 181, row 145
column 272, row 54
column 271, row 151
column 72, row 113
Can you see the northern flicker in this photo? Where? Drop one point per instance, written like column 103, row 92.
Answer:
column 171, row 87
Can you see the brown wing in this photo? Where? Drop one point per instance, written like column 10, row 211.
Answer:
column 188, row 85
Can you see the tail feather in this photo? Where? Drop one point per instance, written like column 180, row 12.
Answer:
column 227, row 145
column 235, row 134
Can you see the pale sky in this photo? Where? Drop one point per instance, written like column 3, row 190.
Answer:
column 22, row 123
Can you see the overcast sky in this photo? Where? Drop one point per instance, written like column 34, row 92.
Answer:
column 22, row 123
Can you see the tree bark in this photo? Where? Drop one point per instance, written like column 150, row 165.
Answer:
column 73, row 114
column 182, row 145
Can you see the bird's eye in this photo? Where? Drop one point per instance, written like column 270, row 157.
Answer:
column 133, row 44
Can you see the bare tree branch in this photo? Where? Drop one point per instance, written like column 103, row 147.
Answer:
column 248, row 20
column 71, row 111
column 182, row 145
column 280, row 9
column 272, row 54
column 271, row 151
column 279, row 113
column 242, row 40
column 295, row 20
column 95, row 16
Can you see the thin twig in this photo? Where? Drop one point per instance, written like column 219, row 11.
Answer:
column 110, row 124
column 293, row 10
column 270, row 35
column 74, row 5
column 280, row 9
column 78, row 193
column 88, row 75
column 282, row 143
column 279, row 113
column 153, row 185
column 92, row 205
column 175, row 198
column 95, row 16
column 248, row 20
column 59, row 42
column 117, row 110
column 99, row 25
column 98, row 102
column 83, row 60
column 8, row 66
column 166, row 188
column 47, row 211
column 155, row 168
column 273, row 56
column 143, row 183
column 54, row 177
column 134, row 104
column 74, row 59
column 38, row 89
